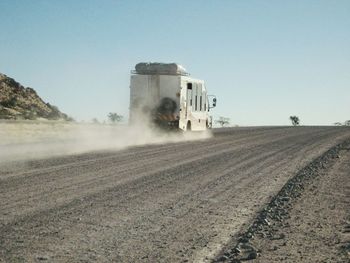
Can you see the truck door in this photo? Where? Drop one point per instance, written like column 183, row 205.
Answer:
column 189, row 99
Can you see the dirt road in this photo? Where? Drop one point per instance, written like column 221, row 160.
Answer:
column 174, row 202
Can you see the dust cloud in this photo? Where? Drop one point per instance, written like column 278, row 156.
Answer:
column 26, row 140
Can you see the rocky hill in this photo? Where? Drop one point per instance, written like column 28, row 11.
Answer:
column 18, row 102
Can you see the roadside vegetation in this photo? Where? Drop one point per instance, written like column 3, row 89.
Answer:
column 223, row 121
column 295, row 120
column 345, row 123
column 114, row 117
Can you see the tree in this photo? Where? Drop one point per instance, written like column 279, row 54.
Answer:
column 295, row 120
column 337, row 124
column 115, row 117
column 347, row 123
column 223, row 121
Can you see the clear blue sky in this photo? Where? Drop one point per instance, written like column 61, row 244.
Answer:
column 265, row 60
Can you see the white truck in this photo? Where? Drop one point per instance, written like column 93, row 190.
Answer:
column 167, row 96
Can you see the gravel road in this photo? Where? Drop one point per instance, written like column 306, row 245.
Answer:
column 315, row 223
column 176, row 202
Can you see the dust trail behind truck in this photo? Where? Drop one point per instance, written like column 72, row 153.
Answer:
column 166, row 95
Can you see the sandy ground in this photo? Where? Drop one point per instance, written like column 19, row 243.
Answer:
column 170, row 202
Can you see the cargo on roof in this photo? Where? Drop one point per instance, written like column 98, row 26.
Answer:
column 144, row 68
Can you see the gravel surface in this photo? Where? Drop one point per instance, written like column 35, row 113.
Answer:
column 174, row 202
column 307, row 221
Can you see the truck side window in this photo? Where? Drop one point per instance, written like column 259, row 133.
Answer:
column 199, row 95
column 204, row 100
column 195, row 105
column 189, row 87
column 194, row 96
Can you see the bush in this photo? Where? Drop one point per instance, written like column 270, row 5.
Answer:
column 30, row 115
column 115, row 117
column 223, row 121
column 295, row 120
column 10, row 103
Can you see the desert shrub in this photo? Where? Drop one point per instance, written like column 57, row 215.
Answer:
column 30, row 115
column 295, row 120
column 222, row 121
column 10, row 103
column 115, row 117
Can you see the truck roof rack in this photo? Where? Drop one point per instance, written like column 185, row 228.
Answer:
column 144, row 68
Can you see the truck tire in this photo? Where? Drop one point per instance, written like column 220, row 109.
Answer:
column 167, row 106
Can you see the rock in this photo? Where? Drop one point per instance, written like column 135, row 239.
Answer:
column 252, row 255
column 42, row 257
column 244, row 240
column 237, row 250
column 18, row 102
column 285, row 198
column 223, row 258
column 278, row 236
column 266, row 222
column 346, row 229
